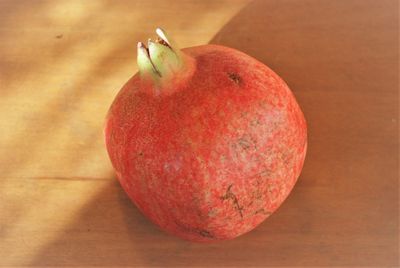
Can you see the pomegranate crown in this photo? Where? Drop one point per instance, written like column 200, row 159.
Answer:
column 160, row 59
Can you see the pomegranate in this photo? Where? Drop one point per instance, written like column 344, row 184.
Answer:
column 206, row 141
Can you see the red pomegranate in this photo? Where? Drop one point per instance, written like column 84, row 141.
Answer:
column 206, row 141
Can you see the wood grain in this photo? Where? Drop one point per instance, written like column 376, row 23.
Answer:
column 62, row 62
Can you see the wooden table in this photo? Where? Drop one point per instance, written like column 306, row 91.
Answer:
column 62, row 62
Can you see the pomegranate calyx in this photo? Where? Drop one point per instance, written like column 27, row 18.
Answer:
column 160, row 60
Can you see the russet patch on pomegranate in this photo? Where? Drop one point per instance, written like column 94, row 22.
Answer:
column 206, row 141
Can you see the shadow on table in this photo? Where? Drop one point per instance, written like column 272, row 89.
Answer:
column 339, row 58
column 110, row 231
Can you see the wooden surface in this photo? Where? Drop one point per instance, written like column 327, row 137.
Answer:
column 62, row 62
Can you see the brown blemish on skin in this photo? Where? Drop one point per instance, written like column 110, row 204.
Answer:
column 246, row 142
column 205, row 233
column 255, row 122
column 257, row 194
column 201, row 232
column 229, row 195
column 262, row 211
column 235, row 78
column 59, row 36
column 288, row 159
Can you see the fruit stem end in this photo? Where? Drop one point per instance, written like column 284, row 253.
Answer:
column 161, row 59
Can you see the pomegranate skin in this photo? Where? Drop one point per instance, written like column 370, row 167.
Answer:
column 215, row 156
